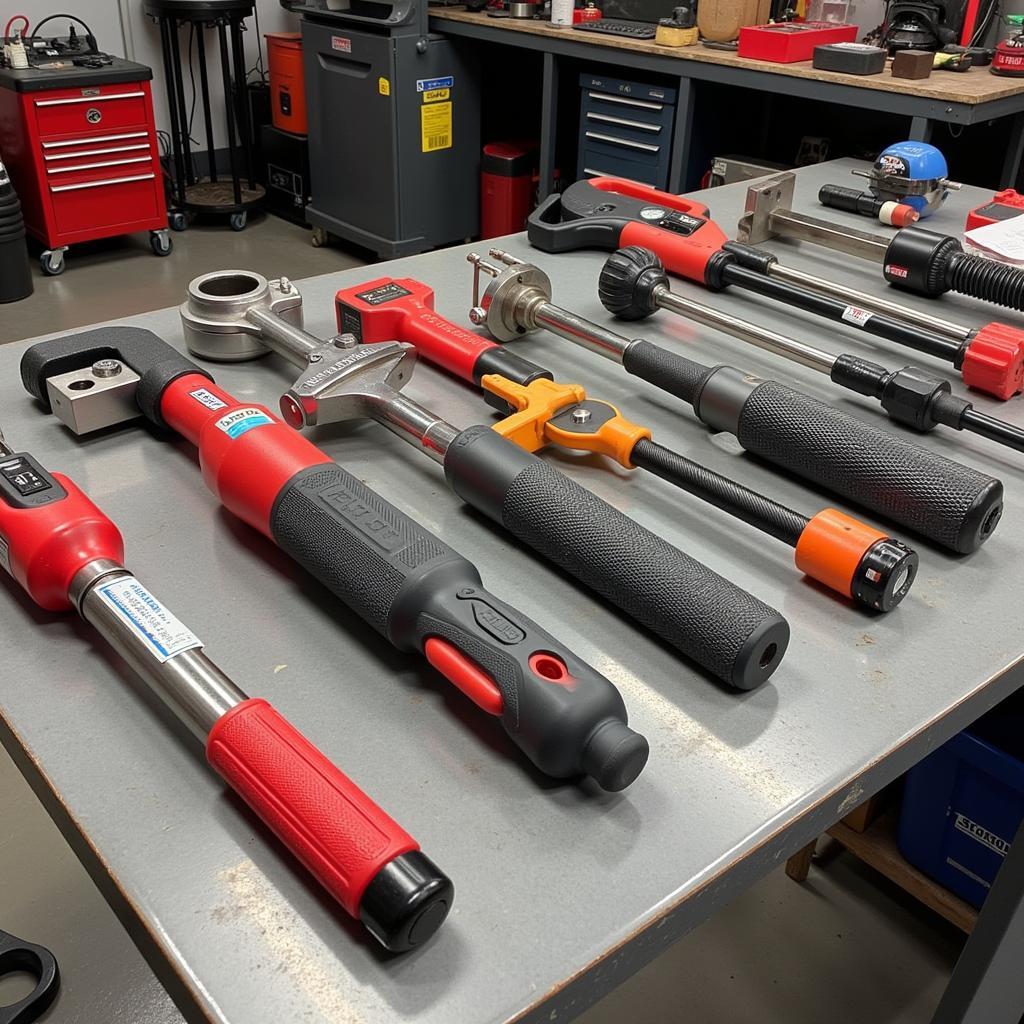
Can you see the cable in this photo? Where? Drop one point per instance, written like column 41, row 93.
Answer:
column 191, row 78
column 10, row 21
column 54, row 17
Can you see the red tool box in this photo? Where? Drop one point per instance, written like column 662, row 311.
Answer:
column 81, row 148
column 792, row 41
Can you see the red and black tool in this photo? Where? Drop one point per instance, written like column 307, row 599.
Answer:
column 839, row 551
column 711, row 620
column 945, row 501
column 1003, row 205
column 420, row 594
column 609, row 214
column 633, row 285
column 866, row 204
column 68, row 556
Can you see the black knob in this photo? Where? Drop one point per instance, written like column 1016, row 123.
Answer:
column 614, row 755
column 628, row 280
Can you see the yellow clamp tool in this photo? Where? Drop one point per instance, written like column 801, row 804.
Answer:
column 562, row 415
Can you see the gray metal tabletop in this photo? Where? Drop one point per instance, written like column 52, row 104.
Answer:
column 562, row 892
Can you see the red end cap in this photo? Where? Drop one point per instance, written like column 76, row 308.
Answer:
column 902, row 216
column 316, row 810
column 994, row 361
column 466, row 675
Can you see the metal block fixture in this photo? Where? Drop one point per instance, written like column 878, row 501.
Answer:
column 394, row 127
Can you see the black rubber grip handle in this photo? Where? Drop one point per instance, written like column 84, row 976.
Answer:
column 720, row 626
column 411, row 586
column 673, row 373
column 981, row 278
column 940, row 499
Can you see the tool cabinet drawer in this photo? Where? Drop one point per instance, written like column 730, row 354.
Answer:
column 96, row 205
column 66, row 172
column 69, row 112
column 625, row 125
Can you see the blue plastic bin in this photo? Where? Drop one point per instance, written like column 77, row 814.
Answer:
column 963, row 803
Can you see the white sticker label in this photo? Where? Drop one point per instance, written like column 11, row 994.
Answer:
column 145, row 616
column 652, row 213
column 236, row 423
column 208, row 398
column 981, row 834
column 857, row 316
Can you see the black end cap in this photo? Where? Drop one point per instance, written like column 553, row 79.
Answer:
column 614, row 755
column 761, row 654
column 627, row 282
column 981, row 519
column 885, row 574
column 406, row 902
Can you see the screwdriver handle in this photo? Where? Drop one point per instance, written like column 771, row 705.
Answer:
column 726, row 630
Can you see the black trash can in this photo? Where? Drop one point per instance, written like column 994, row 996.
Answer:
column 15, row 269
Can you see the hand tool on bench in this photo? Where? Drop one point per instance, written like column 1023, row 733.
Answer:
column 18, row 955
column 947, row 502
column 68, row 556
column 609, row 213
column 416, row 591
column 633, row 285
column 720, row 626
column 839, row 551
column 913, row 258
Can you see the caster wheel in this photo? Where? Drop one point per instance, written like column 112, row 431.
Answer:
column 177, row 221
column 238, row 221
column 52, row 263
column 160, row 242
column 319, row 237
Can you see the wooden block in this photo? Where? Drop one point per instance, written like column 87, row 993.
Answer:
column 913, row 64
column 863, row 816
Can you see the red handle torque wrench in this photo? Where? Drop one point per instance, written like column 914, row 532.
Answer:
column 609, row 214
column 416, row 591
column 846, row 555
column 68, row 556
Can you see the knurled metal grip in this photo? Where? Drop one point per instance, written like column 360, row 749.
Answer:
column 410, row 586
column 720, row 626
column 945, row 501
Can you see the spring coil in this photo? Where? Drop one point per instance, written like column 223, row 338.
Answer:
column 985, row 279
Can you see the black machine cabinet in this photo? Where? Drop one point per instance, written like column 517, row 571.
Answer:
column 394, row 126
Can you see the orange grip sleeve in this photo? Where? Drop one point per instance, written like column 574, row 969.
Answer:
column 832, row 546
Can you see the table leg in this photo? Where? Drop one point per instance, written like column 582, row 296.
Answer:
column 987, row 983
column 682, row 137
column 920, row 129
column 799, row 865
column 1014, row 153
column 548, row 125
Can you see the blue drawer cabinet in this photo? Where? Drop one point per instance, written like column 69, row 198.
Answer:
column 625, row 130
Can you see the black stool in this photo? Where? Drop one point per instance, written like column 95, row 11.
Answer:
column 189, row 193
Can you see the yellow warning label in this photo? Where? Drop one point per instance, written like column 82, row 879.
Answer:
column 433, row 95
column 436, row 126
column 383, row 87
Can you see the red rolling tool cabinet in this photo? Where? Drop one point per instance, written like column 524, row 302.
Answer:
column 80, row 144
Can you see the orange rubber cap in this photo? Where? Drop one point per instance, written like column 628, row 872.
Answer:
column 832, row 546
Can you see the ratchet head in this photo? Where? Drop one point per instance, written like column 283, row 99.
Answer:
column 347, row 381
column 506, row 306
column 216, row 317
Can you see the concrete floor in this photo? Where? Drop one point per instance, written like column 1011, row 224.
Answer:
column 846, row 947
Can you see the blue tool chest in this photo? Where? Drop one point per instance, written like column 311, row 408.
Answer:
column 625, row 130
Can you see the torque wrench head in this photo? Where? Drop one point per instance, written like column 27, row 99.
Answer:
column 629, row 283
column 504, row 306
column 764, row 199
column 215, row 318
column 354, row 382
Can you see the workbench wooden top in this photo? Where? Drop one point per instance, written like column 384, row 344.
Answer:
column 978, row 85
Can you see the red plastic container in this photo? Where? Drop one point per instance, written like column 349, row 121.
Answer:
column 287, row 85
column 506, row 187
column 790, row 42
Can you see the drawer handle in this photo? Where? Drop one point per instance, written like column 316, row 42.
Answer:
column 601, row 137
column 96, row 184
column 624, row 121
column 90, row 99
column 88, row 140
column 102, row 163
column 608, row 174
column 93, row 152
column 607, row 97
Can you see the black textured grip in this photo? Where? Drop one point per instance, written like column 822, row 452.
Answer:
column 986, row 279
column 411, row 586
column 949, row 503
column 716, row 623
column 675, row 374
